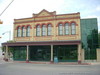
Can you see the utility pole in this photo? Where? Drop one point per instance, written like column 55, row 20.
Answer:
column 5, row 10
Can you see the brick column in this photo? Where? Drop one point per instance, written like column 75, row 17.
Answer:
column 51, row 53
column 79, row 54
column 27, row 54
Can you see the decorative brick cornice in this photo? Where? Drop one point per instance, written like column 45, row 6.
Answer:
column 68, row 14
column 50, row 13
column 24, row 22
column 31, row 21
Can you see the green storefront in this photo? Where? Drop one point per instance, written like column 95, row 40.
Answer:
column 64, row 53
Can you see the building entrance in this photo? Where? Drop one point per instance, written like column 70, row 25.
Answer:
column 66, row 53
column 40, row 53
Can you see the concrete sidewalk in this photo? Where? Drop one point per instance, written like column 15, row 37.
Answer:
column 95, row 63
column 59, row 63
column 3, row 61
column 92, row 62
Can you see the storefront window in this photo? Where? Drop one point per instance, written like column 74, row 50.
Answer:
column 19, row 53
column 66, row 53
column 40, row 53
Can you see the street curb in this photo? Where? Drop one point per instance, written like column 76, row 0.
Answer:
column 59, row 63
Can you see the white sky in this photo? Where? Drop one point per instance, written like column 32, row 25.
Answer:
column 25, row 8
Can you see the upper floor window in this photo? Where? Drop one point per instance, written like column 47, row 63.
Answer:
column 38, row 30
column 28, row 31
column 49, row 30
column 73, row 28
column 60, row 29
column 18, row 32
column 43, row 30
column 23, row 31
column 66, row 29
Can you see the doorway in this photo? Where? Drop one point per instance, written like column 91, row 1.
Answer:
column 66, row 53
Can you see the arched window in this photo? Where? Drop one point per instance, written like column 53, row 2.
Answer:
column 66, row 28
column 43, row 30
column 49, row 29
column 28, row 31
column 38, row 30
column 23, row 31
column 60, row 29
column 73, row 28
column 18, row 32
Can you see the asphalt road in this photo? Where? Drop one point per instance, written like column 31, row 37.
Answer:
column 48, row 69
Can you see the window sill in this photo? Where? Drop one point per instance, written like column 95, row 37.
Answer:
column 68, row 35
column 22, row 37
column 44, row 36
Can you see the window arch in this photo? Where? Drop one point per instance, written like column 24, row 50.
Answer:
column 23, row 31
column 60, row 29
column 38, row 30
column 43, row 30
column 28, row 31
column 18, row 32
column 66, row 28
column 49, row 30
column 73, row 28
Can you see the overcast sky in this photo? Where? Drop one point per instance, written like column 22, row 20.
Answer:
column 25, row 8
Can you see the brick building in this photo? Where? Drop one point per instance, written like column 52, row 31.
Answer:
column 46, row 35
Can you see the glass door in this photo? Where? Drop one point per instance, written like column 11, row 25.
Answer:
column 66, row 53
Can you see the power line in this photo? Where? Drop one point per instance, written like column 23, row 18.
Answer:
column 6, row 7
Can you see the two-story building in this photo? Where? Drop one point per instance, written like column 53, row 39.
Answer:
column 47, row 35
